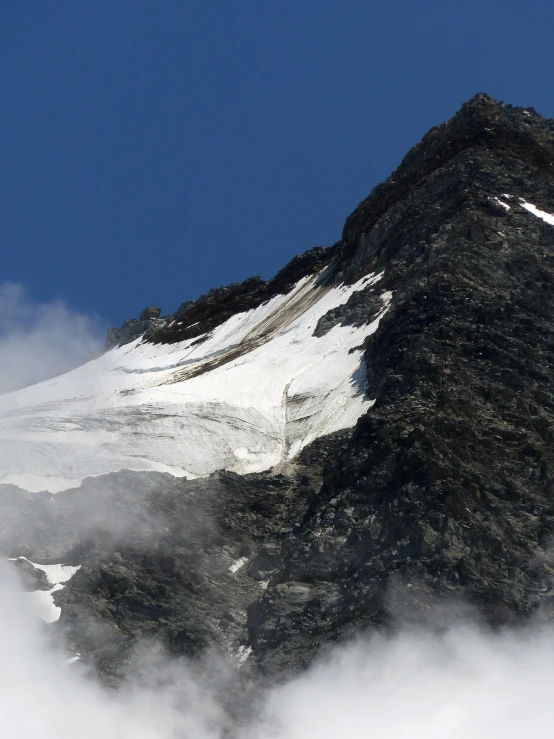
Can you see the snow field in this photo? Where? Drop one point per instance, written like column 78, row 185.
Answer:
column 254, row 392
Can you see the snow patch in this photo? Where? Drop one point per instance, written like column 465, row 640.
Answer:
column 546, row 217
column 237, row 564
column 55, row 574
column 243, row 652
column 504, row 205
column 41, row 602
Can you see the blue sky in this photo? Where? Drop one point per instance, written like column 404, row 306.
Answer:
column 152, row 149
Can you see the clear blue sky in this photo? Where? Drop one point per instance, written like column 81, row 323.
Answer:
column 152, row 149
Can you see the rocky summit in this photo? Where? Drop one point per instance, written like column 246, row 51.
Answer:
column 350, row 445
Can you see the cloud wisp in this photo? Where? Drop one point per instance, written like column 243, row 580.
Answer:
column 41, row 340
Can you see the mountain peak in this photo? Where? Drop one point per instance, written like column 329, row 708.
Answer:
column 487, row 147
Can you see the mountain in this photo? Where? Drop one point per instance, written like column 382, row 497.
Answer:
column 356, row 443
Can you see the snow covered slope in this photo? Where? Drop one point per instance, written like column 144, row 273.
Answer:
column 248, row 395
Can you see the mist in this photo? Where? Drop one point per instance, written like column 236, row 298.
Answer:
column 466, row 683
column 41, row 340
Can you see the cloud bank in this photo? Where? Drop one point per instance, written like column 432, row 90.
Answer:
column 41, row 340
column 464, row 684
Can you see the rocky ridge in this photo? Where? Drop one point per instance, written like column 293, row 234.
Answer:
column 148, row 322
column 198, row 317
column 444, row 489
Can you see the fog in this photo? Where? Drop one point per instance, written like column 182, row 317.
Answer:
column 463, row 684
column 40, row 340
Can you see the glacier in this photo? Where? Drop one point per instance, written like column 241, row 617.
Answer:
column 245, row 397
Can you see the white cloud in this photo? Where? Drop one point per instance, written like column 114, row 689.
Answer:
column 40, row 340
column 42, row 697
column 463, row 684
column 466, row 684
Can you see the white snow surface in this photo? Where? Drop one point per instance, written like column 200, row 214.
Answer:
column 55, row 574
column 238, row 564
column 42, row 601
column 547, row 217
column 252, row 394
column 243, row 652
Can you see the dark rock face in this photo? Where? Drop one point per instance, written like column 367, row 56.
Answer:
column 149, row 313
column 502, row 146
column 181, row 561
column 148, row 322
column 446, row 484
column 445, row 488
column 363, row 307
column 30, row 577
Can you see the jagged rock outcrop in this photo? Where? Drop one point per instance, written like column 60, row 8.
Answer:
column 443, row 489
column 150, row 312
column 198, row 317
column 148, row 322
